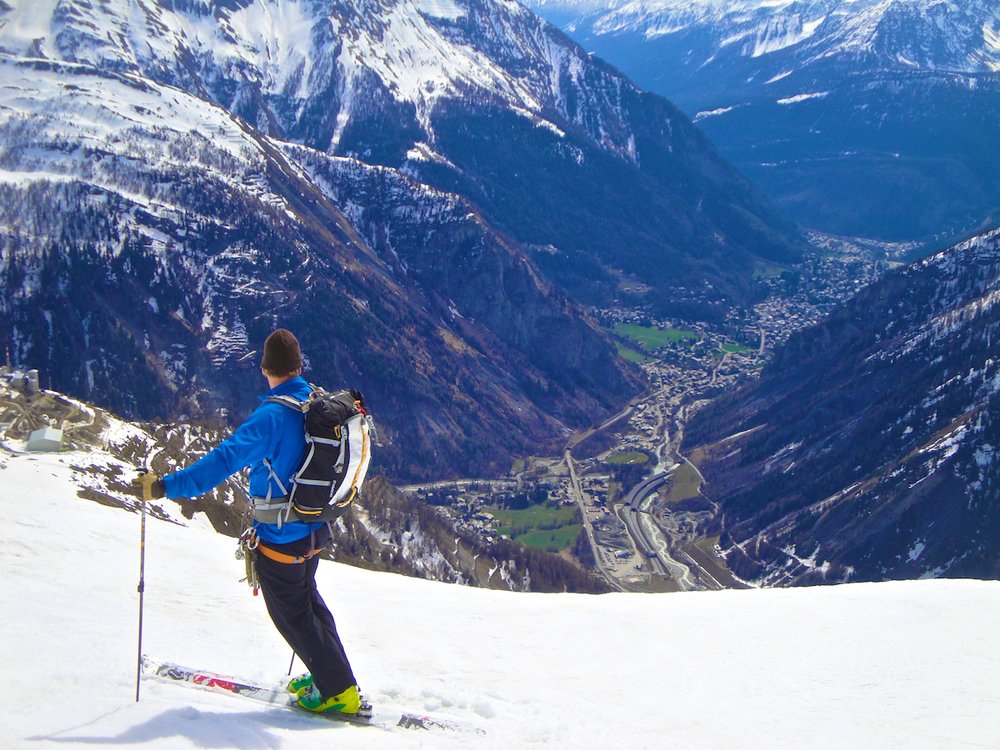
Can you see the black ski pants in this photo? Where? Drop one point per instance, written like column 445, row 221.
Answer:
column 302, row 617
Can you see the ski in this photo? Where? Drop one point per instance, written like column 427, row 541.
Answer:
column 218, row 683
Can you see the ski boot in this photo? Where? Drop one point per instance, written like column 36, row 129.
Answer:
column 299, row 686
column 348, row 702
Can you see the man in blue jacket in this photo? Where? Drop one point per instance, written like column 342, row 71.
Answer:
column 271, row 442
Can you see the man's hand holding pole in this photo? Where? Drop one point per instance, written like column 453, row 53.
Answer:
column 151, row 486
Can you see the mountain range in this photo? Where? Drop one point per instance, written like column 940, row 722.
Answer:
column 871, row 118
column 423, row 191
column 868, row 448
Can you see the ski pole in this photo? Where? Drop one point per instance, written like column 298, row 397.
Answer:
column 142, row 591
column 290, row 664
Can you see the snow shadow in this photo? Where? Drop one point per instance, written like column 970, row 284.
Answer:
column 204, row 729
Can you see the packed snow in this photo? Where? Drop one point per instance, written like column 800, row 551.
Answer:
column 910, row 664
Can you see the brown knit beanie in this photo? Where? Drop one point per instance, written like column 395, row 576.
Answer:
column 281, row 353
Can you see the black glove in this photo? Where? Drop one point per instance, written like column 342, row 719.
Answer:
column 151, row 486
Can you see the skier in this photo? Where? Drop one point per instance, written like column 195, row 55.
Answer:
column 273, row 439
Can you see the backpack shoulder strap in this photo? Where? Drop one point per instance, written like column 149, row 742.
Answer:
column 300, row 407
column 289, row 401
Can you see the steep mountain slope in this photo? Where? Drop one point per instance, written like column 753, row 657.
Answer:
column 873, row 117
column 150, row 240
column 475, row 96
column 868, row 450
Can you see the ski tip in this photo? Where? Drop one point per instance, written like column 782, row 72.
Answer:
column 430, row 723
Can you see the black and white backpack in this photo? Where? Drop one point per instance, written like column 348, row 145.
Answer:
column 339, row 436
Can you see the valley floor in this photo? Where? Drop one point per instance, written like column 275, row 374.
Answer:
column 643, row 536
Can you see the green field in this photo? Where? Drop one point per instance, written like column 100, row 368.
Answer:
column 652, row 339
column 626, row 457
column 735, row 348
column 684, row 484
column 631, row 355
column 554, row 540
column 540, row 526
column 614, row 489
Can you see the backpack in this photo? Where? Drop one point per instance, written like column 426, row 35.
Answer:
column 339, row 434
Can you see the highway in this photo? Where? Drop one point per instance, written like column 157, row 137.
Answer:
column 632, row 516
column 665, row 555
column 650, row 542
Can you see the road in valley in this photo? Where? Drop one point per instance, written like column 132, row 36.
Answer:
column 577, row 491
column 651, row 542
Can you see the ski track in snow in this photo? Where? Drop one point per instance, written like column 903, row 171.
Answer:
column 911, row 664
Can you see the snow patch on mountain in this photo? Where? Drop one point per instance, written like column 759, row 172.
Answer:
column 771, row 37
column 419, row 64
column 991, row 35
column 447, row 9
column 713, row 113
column 803, row 97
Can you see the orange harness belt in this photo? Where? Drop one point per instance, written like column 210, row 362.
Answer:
column 281, row 557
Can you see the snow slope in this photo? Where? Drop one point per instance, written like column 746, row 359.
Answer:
column 911, row 664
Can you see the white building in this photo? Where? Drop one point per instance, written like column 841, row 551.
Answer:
column 46, row 439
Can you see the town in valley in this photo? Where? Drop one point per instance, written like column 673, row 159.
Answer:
column 621, row 499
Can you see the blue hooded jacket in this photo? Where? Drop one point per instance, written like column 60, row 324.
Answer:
column 272, row 432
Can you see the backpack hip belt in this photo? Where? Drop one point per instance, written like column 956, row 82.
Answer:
column 281, row 557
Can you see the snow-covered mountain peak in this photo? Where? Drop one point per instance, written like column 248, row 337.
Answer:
column 842, row 111
column 420, row 51
column 416, row 52
column 934, row 34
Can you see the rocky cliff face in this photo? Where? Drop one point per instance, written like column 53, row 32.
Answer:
column 868, row 449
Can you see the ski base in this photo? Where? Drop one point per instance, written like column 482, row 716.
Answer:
column 277, row 697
